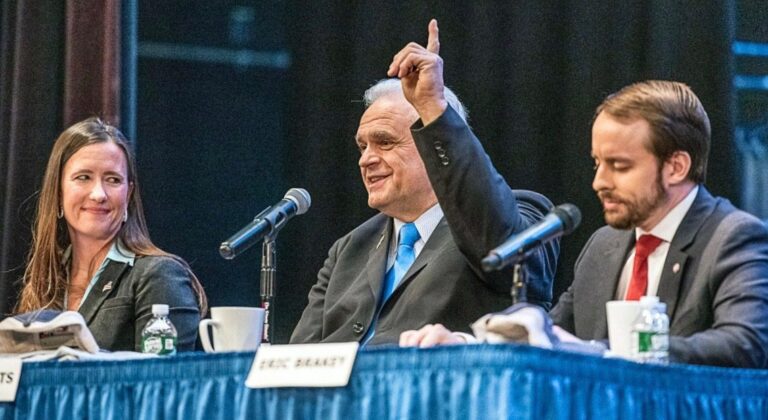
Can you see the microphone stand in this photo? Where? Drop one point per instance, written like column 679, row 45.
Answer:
column 268, row 274
column 519, row 283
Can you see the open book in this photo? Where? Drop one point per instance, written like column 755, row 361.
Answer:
column 45, row 330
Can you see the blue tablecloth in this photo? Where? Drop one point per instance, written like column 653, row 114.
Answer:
column 464, row 382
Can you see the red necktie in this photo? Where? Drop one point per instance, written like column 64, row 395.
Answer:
column 638, row 284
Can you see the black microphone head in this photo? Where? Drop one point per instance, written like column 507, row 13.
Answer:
column 301, row 198
column 570, row 215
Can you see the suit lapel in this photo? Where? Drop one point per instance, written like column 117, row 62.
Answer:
column 104, row 287
column 377, row 260
column 671, row 278
column 674, row 266
column 615, row 257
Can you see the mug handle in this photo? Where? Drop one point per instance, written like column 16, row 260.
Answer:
column 205, row 339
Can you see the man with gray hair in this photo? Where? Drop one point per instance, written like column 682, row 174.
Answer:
column 443, row 208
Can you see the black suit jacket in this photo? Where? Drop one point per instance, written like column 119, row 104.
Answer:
column 714, row 282
column 445, row 284
column 120, row 303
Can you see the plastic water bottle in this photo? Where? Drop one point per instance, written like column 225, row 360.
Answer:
column 159, row 336
column 650, row 332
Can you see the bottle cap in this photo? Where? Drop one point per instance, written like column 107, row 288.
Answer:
column 160, row 309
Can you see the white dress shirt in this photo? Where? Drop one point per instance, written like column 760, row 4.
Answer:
column 425, row 224
column 664, row 230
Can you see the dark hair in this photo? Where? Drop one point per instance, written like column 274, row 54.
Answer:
column 677, row 119
column 45, row 276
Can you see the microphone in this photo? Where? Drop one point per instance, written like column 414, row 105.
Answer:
column 562, row 220
column 267, row 223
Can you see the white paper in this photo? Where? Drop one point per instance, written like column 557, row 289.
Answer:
column 302, row 365
column 10, row 375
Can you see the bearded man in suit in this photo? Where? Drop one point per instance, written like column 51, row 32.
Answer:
column 667, row 236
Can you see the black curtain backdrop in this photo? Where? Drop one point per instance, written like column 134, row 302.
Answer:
column 531, row 74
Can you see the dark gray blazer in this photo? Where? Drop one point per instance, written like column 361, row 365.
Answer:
column 119, row 305
column 445, row 284
column 714, row 282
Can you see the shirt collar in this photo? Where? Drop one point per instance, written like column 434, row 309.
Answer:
column 118, row 252
column 667, row 227
column 425, row 224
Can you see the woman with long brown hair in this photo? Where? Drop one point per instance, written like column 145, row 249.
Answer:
column 91, row 250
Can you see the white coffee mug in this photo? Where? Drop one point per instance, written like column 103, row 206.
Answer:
column 621, row 317
column 235, row 328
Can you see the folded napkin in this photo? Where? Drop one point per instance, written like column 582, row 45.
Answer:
column 520, row 323
column 45, row 330
column 527, row 324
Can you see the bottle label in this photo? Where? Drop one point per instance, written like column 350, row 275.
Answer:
column 160, row 345
column 644, row 341
column 660, row 342
column 152, row 345
column 649, row 343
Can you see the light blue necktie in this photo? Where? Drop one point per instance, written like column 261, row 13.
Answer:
column 403, row 260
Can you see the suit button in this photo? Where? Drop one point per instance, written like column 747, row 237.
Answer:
column 438, row 144
column 357, row 328
column 445, row 161
column 441, row 153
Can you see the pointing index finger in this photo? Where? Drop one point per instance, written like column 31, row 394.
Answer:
column 433, row 42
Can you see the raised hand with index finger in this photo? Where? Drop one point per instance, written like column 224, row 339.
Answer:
column 421, row 73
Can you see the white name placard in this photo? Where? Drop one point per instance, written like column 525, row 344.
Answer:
column 310, row 365
column 10, row 374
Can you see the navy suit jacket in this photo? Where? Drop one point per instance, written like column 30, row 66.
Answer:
column 445, row 284
column 714, row 282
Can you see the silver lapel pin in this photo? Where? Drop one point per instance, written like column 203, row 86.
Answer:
column 107, row 287
column 383, row 234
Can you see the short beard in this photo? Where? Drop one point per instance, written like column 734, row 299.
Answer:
column 639, row 211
